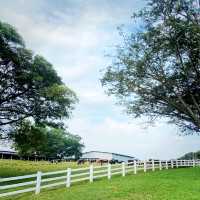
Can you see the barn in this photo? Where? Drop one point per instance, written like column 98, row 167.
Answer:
column 107, row 156
column 8, row 153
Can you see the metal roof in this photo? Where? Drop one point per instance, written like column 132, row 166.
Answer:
column 108, row 153
column 8, row 152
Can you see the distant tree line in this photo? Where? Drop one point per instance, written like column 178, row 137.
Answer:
column 191, row 156
column 33, row 101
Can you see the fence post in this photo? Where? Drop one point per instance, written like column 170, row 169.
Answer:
column 160, row 165
column 172, row 164
column 38, row 182
column 123, row 169
column 193, row 163
column 135, row 167
column 145, row 166
column 166, row 164
column 91, row 173
column 68, row 183
column 176, row 163
column 153, row 166
column 109, row 171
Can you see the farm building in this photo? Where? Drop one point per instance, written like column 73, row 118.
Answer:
column 98, row 155
column 7, row 153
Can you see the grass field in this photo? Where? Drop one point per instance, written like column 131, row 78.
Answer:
column 172, row 184
column 18, row 167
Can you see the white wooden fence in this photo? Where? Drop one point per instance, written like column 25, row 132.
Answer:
column 36, row 182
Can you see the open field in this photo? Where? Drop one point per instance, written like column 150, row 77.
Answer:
column 172, row 184
column 18, row 167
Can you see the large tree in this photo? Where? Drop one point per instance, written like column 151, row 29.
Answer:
column 31, row 139
column 156, row 72
column 29, row 85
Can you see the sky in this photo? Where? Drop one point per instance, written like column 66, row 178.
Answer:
column 75, row 36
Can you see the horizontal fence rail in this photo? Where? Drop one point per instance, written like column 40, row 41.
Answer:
column 36, row 182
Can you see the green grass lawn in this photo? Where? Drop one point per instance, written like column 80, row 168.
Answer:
column 172, row 184
column 18, row 167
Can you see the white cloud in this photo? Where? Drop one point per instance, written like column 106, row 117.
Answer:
column 92, row 96
column 129, row 138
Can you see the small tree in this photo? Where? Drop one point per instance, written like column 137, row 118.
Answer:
column 156, row 72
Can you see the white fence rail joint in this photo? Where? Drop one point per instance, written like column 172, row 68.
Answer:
column 135, row 167
column 123, row 169
column 145, row 166
column 38, row 181
column 166, row 163
column 68, row 181
column 153, row 165
column 172, row 164
column 91, row 173
column 160, row 165
column 109, row 171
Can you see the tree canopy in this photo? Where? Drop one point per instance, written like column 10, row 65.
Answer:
column 156, row 72
column 31, row 139
column 29, row 85
column 191, row 156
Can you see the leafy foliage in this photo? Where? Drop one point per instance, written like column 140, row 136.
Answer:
column 45, row 141
column 191, row 155
column 156, row 72
column 29, row 85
